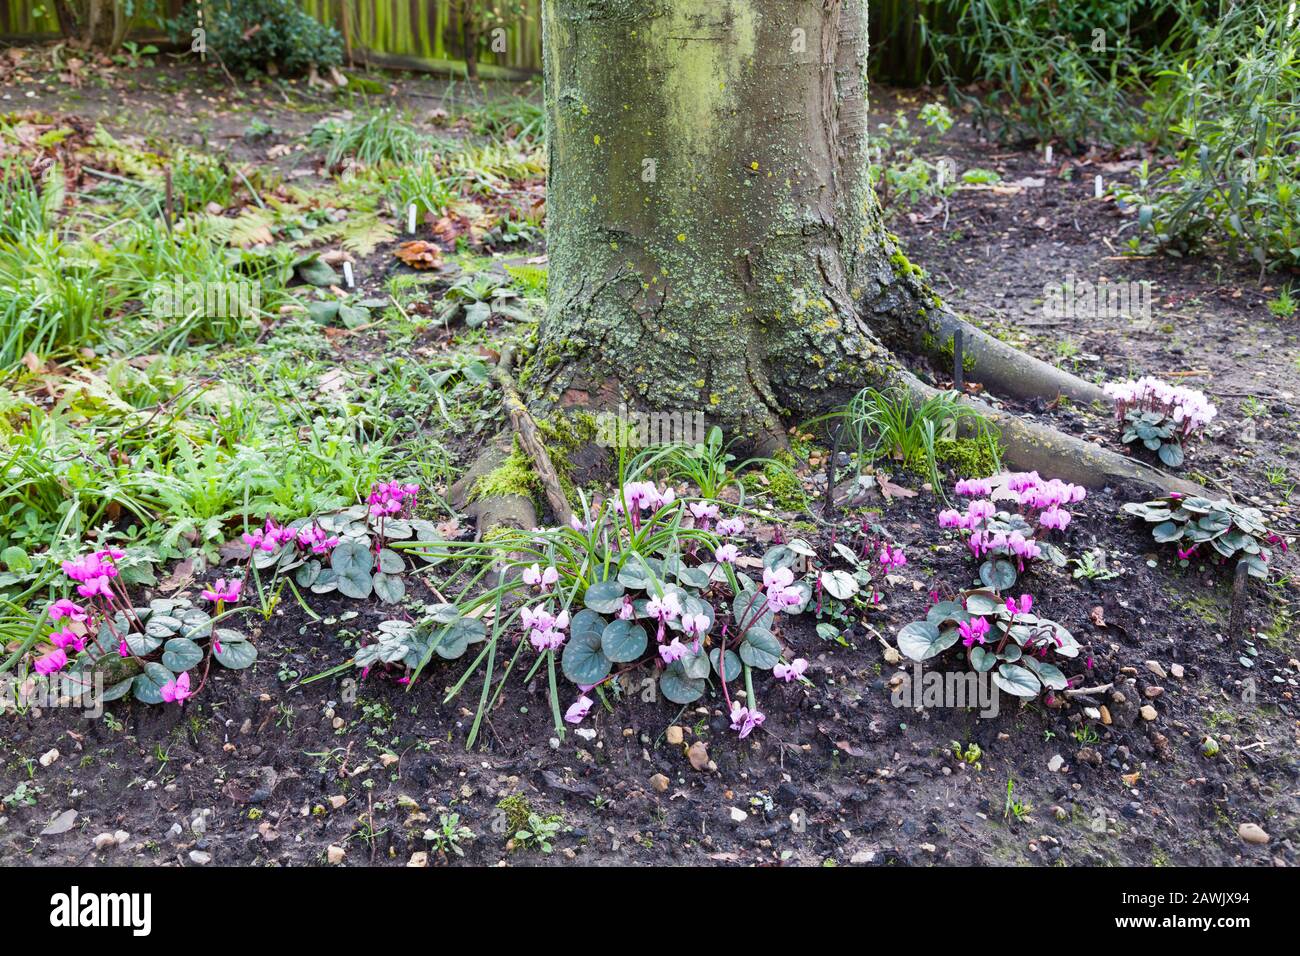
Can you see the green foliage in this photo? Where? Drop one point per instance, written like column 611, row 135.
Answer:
column 890, row 426
column 895, row 168
column 1232, row 532
column 1229, row 109
column 370, row 138
column 248, row 36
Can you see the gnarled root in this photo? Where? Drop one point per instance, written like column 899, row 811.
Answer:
column 1009, row 371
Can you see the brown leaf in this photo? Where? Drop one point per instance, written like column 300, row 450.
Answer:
column 891, row 490
column 1098, row 616
column 180, row 576
column 419, row 254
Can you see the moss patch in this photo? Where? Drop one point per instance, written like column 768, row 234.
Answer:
column 966, row 457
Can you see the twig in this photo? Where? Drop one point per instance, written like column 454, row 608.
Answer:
column 1087, row 691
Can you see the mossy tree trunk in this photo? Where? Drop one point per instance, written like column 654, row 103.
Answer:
column 714, row 242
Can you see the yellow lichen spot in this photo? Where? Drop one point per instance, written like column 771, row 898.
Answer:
column 596, row 139
column 699, row 383
column 832, row 324
column 681, row 237
column 614, row 246
column 818, row 360
column 753, row 165
column 715, row 398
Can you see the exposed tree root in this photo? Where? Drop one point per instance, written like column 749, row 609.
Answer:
column 497, row 511
column 530, row 438
column 1053, row 453
column 1007, row 370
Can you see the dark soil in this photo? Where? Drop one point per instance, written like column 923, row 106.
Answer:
column 837, row 774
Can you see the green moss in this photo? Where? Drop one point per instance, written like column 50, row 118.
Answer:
column 784, row 487
column 514, row 476
column 966, row 457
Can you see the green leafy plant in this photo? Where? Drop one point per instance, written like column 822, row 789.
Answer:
column 999, row 636
column 261, row 35
column 477, row 297
column 1218, row 530
column 449, row 834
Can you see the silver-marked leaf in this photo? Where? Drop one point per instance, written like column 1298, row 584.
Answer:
column 583, row 661
column 1017, row 680
column 760, row 649
column 677, row 687
column 921, row 640
column 390, row 588
column 148, row 686
column 180, row 654
column 623, row 641
column 390, row 562
column 732, row 663
column 605, row 597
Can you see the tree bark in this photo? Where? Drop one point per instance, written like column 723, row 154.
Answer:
column 714, row 241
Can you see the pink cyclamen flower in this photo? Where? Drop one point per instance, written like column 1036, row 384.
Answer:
column 730, row 527
column 673, row 651
column 745, row 719
column 175, row 691
column 64, row 608
column 892, row 559
column 52, row 662
column 973, row 631
column 627, row 611
column 1026, row 602
column 1185, row 553
column 703, row 512
column 1054, row 517
column 224, row 591
column 726, row 553
column 792, row 671
column 96, row 586
column 578, row 709
column 695, row 625
column 536, row 577
column 973, row 487
column 577, row 524
column 66, row 638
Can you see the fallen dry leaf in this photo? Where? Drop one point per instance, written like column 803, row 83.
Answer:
column 891, row 490
column 419, row 254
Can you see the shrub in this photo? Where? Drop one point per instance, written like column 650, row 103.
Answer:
column 249, row 35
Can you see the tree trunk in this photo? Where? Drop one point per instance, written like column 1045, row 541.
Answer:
column 714, row 242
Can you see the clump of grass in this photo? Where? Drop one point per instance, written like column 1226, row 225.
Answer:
column 891, row 425
column 380, row 136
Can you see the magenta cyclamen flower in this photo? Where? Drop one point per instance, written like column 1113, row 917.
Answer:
column 578, row 709
column 780, row 593
column 317, row 538
column 66, row 638
column 673, row 651
column 745, row 719
column 726, row 553
column 892, row 559
column 175, row 691
column 388, row 498
column 973, row 631
column 546, row 631
column 703, row 512
column 973, row 487
column 64, row 608
column 1026, row 602
column 52, row 662
column 792, row 671
column 224, row 591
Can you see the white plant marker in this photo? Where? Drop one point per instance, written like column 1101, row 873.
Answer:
column 1099, row 188
column 347, row 275
column 410, row 218
column 1047, row 154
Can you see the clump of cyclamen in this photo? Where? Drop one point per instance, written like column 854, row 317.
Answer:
column 1040, row 502
column 388, row 499
column 1183, row 406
